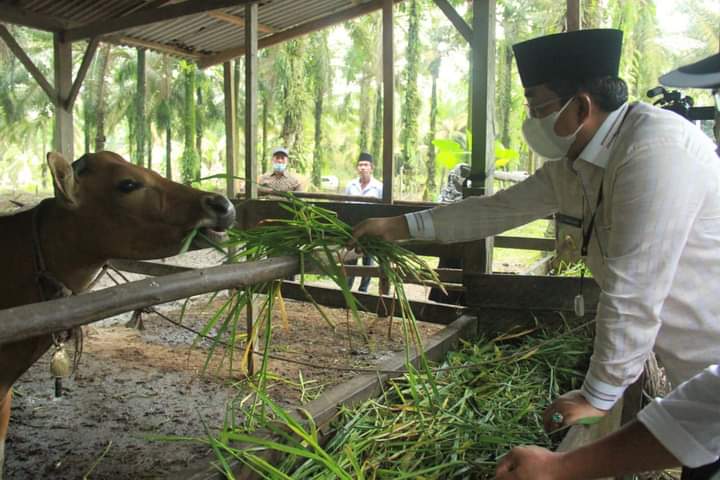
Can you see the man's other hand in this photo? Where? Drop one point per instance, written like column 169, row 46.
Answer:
column 530, row 463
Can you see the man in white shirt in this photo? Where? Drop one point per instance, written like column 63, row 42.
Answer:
column 681, row 429
column 364, row 186
column 644, row 186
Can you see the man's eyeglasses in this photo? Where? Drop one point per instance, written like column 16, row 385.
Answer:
column 536, row 110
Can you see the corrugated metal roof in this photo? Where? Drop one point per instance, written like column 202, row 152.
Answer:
column 193, row 36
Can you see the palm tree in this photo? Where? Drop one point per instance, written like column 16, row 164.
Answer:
column 320, row 75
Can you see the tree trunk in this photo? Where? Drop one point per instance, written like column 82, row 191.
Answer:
column 364, row 113
column 168, row 154
column 149, row 148
column 317, row 153
column 377, row 130
column 264, row 157
column 411, row 103
column 199, row 125
column 189, row 159
column 430, row 185
column 506, row 95
column 104, row 60
column 140, row 109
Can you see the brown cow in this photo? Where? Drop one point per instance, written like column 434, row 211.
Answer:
column 104, row 207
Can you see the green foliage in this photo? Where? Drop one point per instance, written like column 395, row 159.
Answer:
column 450, row 153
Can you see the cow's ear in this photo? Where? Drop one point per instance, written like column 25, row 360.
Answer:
column 64, row 180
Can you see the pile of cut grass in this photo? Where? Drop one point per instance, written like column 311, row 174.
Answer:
column 452, row 423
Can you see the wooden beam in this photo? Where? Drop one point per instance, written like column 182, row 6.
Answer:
column 478, row 258
column 28, row 63
column 80, row 77
column 529, row 292
column 289, row 34
column 148, row 16
column 20, row 16
column 573, row 15
column 147, row 268
column 251, row 97
column 238, row 21
column 230, row 128
column 388, row 69
column 64, row 133
column 431, row 312
column 28, row 321
column 160, row 47
column 460, row 24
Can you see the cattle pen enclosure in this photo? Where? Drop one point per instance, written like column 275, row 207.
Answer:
column 497, row 302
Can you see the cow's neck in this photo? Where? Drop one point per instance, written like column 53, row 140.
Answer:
column 66, row 254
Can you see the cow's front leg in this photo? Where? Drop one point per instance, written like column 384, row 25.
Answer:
column 4, row 421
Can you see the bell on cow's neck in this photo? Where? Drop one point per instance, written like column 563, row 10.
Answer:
column 60, row 364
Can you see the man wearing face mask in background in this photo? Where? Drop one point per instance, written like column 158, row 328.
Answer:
column 643, row 187
column 279, row 180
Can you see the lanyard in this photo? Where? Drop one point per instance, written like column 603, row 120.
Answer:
column 586, row 234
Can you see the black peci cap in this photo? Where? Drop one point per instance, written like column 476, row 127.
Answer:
column 365, row 157
column 581, row 55
column 702, row 74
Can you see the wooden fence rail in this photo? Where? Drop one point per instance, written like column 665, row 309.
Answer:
column 36, row 319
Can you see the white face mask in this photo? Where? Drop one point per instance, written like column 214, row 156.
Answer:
column 540, row 135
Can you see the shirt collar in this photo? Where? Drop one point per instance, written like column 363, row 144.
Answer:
column 597, row 151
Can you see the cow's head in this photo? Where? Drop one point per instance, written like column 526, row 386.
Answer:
column 126, row 211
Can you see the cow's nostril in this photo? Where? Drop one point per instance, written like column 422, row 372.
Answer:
column 218, row 204
column 221, row 209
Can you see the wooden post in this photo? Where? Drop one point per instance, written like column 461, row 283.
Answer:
column 63, row 132
column 251, row 49
column 140, row 110
column 478, row 257
column 573, row 15
column 388, row 99
column 230, row 127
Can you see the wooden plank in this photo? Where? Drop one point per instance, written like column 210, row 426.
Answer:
column 148, row 16
column 431, row 312
column 460, row 24
column 573, row 15
column 64, row 133
column 80, row 77
column 230, row 129
column 238, row 21
column 28, row 63
column 388, row 71
column 14, row 14
column 363, row 387
column 300, row 30
column 251, row 95
column 529, row 292
column 525, row 243
column 349, row 394
column 159, row 47
column 28, row 321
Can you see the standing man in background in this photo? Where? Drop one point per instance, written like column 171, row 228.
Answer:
column 279, row 180
column 363, row 186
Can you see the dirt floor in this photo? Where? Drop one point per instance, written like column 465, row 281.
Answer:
column 132, row 384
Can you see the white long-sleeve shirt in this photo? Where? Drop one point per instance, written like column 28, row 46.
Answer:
column 687, row 421
column 654, row 250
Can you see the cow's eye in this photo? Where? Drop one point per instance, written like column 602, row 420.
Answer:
column 128, row 185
